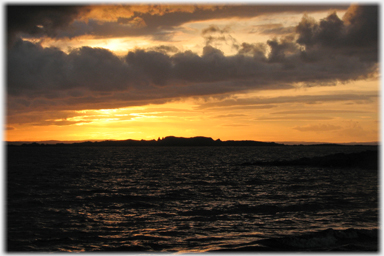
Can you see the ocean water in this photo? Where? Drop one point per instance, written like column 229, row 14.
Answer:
column 186, row 199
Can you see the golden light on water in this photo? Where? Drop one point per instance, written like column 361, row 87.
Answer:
column 241, row 73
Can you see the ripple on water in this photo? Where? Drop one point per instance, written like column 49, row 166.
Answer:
column 177, row 199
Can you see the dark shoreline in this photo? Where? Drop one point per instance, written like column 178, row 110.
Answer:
column 368, row 159
column 329, row 240
column 171, row 141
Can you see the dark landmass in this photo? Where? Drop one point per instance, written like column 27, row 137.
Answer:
column 45, row 142
column 368, row 159
column 170, row 141
column 304, row 143
column 329, row 240
column 167, row 141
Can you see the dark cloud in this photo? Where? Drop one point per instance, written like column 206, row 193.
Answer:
column 60, row 20
column 213, row 35
column 161, row 26
column 257, row 51
column 44, row 118
column 355, row 34
column 165, row 49
column 362, row 25
column 93, row 74
column 87, row 78
column 40, row 20
column 59, row 118
column 170, row 20
column 280, row 49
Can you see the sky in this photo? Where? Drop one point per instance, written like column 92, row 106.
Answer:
column 247, row 71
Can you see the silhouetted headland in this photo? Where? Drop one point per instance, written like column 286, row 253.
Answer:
column 367, row 159
column 167, row 141
column 172, row 141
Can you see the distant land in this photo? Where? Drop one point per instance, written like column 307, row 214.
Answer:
column 177, row 141
column 370, row 143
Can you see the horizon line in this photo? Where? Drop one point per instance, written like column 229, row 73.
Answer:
column 289, row 142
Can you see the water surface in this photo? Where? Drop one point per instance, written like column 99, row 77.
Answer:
column 178, row 198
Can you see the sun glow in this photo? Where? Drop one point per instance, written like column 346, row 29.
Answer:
column 252, row 82
column 120, row 46
column 257, row 115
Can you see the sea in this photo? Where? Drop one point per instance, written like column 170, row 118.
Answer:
column 187, row 200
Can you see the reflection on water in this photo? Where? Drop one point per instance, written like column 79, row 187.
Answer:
column 177, row 199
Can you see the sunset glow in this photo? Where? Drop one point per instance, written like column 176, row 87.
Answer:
column 230, row 72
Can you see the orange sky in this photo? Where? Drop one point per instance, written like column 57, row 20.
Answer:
column 234, row 72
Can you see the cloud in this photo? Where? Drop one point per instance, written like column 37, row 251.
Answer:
column 34, row 72
column 235, row 125
column 214, row 35
column 87, row 78
column 355, row 34
column 290, row 118
column 354, row 130
column 57, row 122
column 306, row 99
column 40, row 20
column 314, row 111
column 230, row 116
column 39, row 117
column 272, row 29
column 244, row 107
column 161, row 18
column 164, row 49
column 317, row 128
column 350, row 129
column 70, row 21
column 177, row 14
column 62, row 118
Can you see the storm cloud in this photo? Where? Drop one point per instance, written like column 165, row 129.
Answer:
column 323, row 52
column 57, row 21
column 355, row 34
column 38, row 20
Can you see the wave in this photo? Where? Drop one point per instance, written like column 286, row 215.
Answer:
column 252, row 209
column 367, row 160
column 326, row 240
